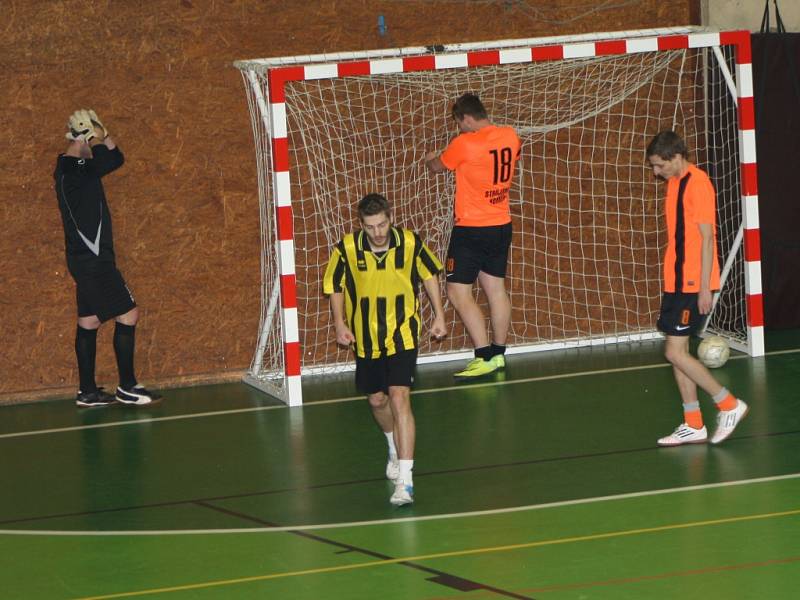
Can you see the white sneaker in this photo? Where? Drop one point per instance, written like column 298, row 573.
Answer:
column 393, row 470
column 403, row 494
column 727, row 420
column 685, row 435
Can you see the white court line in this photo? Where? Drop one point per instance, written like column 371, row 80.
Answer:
column 477, row 513
column 353, row 398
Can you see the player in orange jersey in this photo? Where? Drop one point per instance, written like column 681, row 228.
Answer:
column 691, row 275
column 484, row 157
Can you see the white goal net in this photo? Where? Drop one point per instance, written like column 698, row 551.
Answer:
column 585, row 263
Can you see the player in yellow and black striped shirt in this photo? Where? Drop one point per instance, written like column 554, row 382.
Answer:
column 372, row 278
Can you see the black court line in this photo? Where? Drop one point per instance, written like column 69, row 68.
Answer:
column 439, row 577
column 381, row 479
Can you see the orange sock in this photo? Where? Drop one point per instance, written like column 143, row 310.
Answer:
column 694, row 419
column 728, row 403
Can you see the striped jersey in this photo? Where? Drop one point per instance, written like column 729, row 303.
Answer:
column 691, row 201
column 381, row 289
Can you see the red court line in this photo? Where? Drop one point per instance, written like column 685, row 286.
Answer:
column 662, row 576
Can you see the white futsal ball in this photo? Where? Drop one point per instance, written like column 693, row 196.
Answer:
column 713, row 351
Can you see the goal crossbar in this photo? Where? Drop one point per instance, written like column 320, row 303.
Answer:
column 288, row 186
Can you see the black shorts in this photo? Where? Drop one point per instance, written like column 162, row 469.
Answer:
column 377, row 374
column 475, row 249
column 101, row 291
column 679, row 314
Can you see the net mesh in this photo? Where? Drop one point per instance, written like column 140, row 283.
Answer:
column 585, row 259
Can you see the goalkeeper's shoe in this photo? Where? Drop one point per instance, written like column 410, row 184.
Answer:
column 684, row 434
column 727, row 420
column 137, row 395
column 393, row 470
column 403, row 494
column 96, row 398
column 477, row 367
column 499, row 361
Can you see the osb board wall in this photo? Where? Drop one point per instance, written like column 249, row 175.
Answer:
column 185, row 204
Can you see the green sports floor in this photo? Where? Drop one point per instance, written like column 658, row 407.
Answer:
column 543, row 481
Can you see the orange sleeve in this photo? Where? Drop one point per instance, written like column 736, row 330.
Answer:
column 455, row 153
column 704, row 204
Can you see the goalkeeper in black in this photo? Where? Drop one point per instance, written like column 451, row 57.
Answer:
column 102, row 293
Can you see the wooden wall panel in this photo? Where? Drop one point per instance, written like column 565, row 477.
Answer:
column 185, row 204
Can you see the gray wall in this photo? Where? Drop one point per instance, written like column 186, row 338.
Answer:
column 746, row 14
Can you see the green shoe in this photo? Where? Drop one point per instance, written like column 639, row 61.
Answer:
column 499, row 361
column 477, row 367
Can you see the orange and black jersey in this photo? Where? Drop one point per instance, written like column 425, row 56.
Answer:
column 690, row 202
column 380, row 289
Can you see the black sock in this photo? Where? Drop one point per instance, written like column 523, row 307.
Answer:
column 86, row 350
column 124, row 343
column 485, row 352
column 497, row 349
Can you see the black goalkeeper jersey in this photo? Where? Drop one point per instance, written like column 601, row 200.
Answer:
column 84, row 211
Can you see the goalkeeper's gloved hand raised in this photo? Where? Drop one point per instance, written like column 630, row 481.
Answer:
column 99, row 128
column 84, row 126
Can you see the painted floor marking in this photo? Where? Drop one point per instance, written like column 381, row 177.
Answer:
column 477, row 513
column 452, row 554
column 449, row 388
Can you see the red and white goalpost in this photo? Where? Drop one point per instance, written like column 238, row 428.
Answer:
column 585, row 264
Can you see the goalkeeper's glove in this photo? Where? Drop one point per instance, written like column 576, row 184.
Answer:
column 84, row 126
column 99, row 128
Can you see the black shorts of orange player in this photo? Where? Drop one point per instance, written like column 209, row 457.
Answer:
column 679, row 314
column 375, row 375
column 476, row 249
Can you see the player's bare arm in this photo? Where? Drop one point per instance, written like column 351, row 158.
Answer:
column 344, row 335
column 433, row 291
column 704, row 297
column 434, row 163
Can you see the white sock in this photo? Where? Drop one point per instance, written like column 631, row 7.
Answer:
column 390, row 441
column 406, row 466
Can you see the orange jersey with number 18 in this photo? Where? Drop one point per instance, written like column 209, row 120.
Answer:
column 484, row 162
